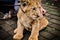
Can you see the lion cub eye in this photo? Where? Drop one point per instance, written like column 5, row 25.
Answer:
column 34, row 8
column 24, row 4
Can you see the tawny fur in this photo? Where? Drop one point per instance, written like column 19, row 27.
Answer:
column 29, row 17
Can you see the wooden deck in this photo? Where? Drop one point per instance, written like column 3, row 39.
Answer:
column 51, row 32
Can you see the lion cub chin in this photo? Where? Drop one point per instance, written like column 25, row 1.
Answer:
column 30, row 18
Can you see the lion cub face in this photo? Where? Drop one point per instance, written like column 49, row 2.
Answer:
column 31, row 8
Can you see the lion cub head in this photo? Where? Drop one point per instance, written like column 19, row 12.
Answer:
column 31, row 7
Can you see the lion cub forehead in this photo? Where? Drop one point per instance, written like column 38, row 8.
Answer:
column 31, row 0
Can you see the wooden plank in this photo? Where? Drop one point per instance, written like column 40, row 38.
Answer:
column 47, row 35
column 53, row 31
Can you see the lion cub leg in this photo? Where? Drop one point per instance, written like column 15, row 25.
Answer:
column 43, row 23
column 34, row 32
column 19, row 31
column 15, row 31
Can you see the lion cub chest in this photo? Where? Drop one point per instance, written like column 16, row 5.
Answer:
column 26, row 21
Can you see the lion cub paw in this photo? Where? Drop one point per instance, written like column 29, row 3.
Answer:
column 17, row 36
column 15, row 31
column 33, row 38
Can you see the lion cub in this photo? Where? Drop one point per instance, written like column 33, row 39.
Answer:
column 30, row 18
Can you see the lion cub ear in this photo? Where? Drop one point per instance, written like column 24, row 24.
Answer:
column 37, row 0
column 33, row 1
column 40, row 1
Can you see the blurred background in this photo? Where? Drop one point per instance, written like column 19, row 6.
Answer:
column 51, row 32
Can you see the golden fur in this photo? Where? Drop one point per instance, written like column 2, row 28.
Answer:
column 29, row 17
